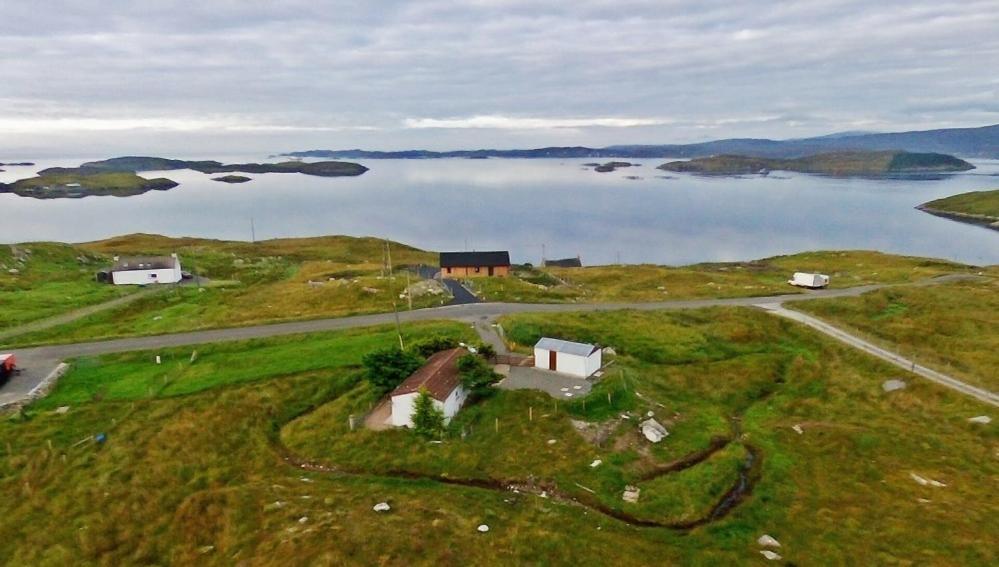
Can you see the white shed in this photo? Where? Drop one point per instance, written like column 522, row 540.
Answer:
column 146, row 270
column 439, row 376
column 804, row 279
column 567, row 357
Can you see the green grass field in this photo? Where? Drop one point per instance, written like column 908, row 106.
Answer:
column 194, row 468
column 736, row 279
column 985, row 203
column 953, row 328
column 50, row 279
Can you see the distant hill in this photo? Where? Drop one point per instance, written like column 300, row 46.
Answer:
column 977, row 207
column 852, row 163
column 980, row 142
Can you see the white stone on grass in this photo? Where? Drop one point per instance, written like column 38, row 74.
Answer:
column 381, row 507
column 768, row 541
column 892, row 385
column 483, row 528
column 770, row 555
column 653, row 430
column 983, row 419
column 596, row 463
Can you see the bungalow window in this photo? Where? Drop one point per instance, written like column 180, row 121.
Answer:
column 449, row 270
column 153, row 276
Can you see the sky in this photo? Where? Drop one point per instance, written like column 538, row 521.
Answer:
column 224, row 77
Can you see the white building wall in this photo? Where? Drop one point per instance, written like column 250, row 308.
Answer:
column 143, row 277
column 453, row 403
column 540, row 358
column 594, row 362
column 404, row 405
column 571, row 364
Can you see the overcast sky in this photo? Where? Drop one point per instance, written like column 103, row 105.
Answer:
column 221, row 77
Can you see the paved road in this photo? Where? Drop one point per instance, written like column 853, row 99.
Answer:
column 43, row 359
column 898, row 360
column 459, row 293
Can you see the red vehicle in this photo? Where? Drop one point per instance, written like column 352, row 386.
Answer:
column 7, row 367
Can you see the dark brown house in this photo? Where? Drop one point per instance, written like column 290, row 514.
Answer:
column 475, row 264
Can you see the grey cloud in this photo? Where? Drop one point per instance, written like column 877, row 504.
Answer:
column 336, row 73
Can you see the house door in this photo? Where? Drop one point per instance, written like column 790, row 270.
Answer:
column 552, row 360
column 490, row 270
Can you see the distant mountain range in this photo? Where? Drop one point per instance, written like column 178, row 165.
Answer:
column 980, row 142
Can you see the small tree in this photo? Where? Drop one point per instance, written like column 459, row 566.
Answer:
column 486, row 350
column 476, row 376
column 428, row 419
column 387, row 368
column 435, row 344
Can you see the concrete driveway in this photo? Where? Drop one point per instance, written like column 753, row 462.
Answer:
column 559, row 386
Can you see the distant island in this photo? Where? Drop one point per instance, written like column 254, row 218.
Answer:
column 319, row 168
column 977, row 207
column 75, row 183
column 232, row 179
column 118, row 177
column 856, row 163
column 17, row 164
column 980, row 142
column 610, row 166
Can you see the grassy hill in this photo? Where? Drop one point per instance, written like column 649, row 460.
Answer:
column 854, row 163
column 245, row 454
column 976, row 207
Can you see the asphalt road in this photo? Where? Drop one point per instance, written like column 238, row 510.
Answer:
column 39, row 361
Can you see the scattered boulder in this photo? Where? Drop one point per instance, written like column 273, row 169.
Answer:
column 768, row 541
column 653, row 430
column 483, row 528
column 892, row 385
column 983, row 419
column 609, row 351
column 631, row 494
column 381, row 507
column 371, row 290
column 596, row 463
column 303, row 519
column 61, row 410
column 770, row 555
column 797, row 429
column 13, row 271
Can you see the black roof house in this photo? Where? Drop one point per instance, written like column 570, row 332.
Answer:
column 470, row 259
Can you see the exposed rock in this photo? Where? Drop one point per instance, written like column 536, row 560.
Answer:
column 797, row 429
column 892, row 385
column 596, row 463
column 381, row 507
column 653, row 430
column 483, row 528
column 61, row 410
column 927, row 481
column 980, row 419
column 13, row 271
column 609, row 351
column 770, row 555
column 768, row 541
column 631, row 494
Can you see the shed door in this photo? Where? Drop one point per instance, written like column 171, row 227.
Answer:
column 490, row 270
column 552, row 360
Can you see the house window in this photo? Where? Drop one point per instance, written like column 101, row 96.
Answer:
column 153, row 276
column 449, row 270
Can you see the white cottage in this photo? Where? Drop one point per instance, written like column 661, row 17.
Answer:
column 146, row 270
column 567, row 357
column 439, row 376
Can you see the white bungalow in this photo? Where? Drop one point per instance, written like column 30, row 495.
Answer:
column 566, row 357
column 439, row 376
column 146, row 270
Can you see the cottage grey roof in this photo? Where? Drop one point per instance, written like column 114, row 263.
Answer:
column 471, row 259
column 568, row 347
column 130, row 263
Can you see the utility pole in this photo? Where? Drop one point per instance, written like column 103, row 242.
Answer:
column 395, row 306
column 253, row 232
column 542, row 254
column 409, row 291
